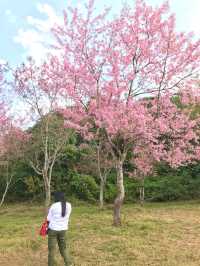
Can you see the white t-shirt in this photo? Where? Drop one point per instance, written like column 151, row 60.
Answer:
column 56, row 221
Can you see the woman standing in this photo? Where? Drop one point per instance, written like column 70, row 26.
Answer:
column 58, row 218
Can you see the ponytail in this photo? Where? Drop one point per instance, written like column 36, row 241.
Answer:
column 63, row 206
column 60, row 197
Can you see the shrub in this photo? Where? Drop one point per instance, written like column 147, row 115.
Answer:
column 84, row 187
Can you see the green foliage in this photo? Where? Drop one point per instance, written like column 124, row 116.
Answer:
column 110, row 192
column 167, row 185
column 34, row 186
column 166, row 188
column 84, row 187
column 131, row 189
column 170, row 184
column 77, row 175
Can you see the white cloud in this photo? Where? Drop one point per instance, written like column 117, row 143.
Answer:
column 49, row 11
column 47, row 24
column 36, row 39
column 32, row 42
column 25, row 37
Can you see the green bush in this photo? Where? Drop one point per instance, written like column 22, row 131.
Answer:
column 110, row 192
column 167, row 188
column 131, row 189
column 84, row 187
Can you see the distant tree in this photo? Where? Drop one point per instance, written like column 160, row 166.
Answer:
column 144, row 165
column 13, row 141
column 96, row 159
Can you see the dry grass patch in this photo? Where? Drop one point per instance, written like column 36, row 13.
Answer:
column 157, row 235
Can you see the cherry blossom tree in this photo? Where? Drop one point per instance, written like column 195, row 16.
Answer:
column 175, row 137
column 13, row 141
column 109, row 65
column 12, row 138
column 4, row 127
column 144, row 164
column 40, row 88
column 3, row 113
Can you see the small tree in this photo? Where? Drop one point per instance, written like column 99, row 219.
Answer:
column 40, row 88
column 12, row 150
column 4, row 169
column 96, row 159
column 144, row 166
column 3, row 128
column 104, row 166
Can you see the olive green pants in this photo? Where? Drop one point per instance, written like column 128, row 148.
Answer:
column 60, row 238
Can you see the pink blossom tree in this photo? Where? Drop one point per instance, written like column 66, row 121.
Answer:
column 3, row 113
column 175, row 136
column 40, row 88
column 12, row 139
column 109, row 65
column 144, row 164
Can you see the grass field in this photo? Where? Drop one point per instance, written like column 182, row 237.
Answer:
column 157, row 234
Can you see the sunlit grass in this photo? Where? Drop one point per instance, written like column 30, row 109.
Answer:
column 157, row 235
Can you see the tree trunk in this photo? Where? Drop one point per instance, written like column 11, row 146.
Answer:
column 142, row 193
column 4, row 194
column 8, row 182
column 47, row 198
column 101, row 194
column 47, row 192
column 120, row 194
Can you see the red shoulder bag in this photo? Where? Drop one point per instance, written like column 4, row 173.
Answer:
column 44, row 228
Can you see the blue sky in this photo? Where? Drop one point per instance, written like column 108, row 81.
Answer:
column 24, row 24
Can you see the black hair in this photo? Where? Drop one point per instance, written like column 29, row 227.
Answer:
column 60, row 197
